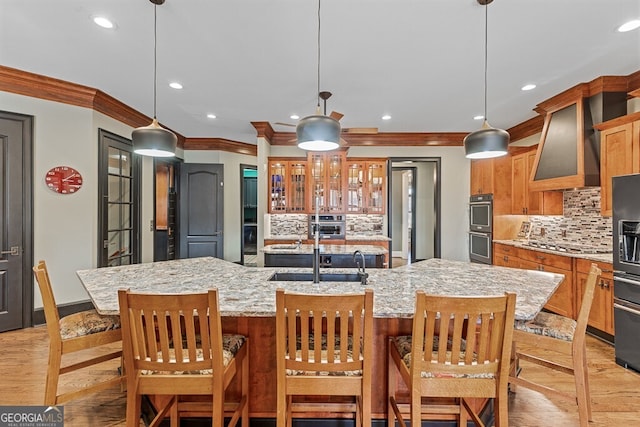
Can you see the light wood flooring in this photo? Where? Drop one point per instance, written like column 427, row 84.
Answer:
column 615, row 391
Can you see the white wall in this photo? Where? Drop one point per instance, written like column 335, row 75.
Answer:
column 65, row 226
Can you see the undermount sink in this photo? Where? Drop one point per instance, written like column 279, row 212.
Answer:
column 289, row 246
column 308, row 277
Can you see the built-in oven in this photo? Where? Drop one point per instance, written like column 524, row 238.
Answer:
column 481, row 213
column 330, row 226
column 480, row 247
column 626, row 318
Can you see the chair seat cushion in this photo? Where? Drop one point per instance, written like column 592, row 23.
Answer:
column 550, row 325
column 231, row 344
column 323, row 357
column 86, row 323
column 403, row 344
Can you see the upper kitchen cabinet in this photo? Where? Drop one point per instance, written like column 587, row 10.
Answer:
column 366, row 186
column 287, row 185
column 482, row 176
column 327, row 185
column 568, row 155
column 525, row 201
column 620, row 153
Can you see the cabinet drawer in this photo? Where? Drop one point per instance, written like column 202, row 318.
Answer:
column 584, row 265
column 502, row 249
column 545, row 258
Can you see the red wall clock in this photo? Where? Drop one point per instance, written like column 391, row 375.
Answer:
column 63, row 180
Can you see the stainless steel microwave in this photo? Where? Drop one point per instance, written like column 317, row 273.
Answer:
column 481, row 213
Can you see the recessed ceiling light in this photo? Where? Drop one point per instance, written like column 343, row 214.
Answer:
column 629, row 26
column 386, row 117
column 175, row 85
column 478, row 117
column 103, row 22
column 211, row 116
column 294, row 117
column 528, row 86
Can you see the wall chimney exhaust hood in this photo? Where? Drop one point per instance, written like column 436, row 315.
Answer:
column 568, row 154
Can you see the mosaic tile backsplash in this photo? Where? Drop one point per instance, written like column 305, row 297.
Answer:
column 296, row 225
column 581, row 224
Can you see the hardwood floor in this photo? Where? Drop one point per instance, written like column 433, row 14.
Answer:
column 614, row 391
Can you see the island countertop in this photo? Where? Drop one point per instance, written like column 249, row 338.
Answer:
column 248, row 292
column 347, row 249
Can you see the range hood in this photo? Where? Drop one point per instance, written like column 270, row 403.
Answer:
column 568, row 154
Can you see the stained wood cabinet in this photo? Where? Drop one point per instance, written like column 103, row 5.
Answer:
column 523, row 200
column 601, row 314
column 287, row 185
column 327, row 181
column 366, row 186
column 619, row 153
column 482, row 176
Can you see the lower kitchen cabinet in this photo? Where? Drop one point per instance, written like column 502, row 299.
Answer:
column 601, row 314
column 326, row 260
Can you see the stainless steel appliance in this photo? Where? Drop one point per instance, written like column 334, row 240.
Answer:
column 626, row 265
column 330, row 226
column 481, row 228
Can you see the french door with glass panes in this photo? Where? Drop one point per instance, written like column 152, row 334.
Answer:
column 119, row 192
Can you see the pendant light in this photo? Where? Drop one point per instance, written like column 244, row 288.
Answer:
column 154, row 140
column 487, row 142
column 318, row 132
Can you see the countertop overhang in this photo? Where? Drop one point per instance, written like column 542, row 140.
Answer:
column 247, row 291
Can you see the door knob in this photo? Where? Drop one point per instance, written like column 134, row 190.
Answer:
column 15, row 251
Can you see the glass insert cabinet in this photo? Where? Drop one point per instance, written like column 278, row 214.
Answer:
column 336, row 183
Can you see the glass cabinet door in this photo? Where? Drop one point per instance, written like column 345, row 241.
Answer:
column 297, row 181
column 317, row 187
column 355, row 187
column 277, row 186
column 334, row 186
column 376, row 178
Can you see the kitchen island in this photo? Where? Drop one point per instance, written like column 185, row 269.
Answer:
column 341, row 256
column 247, row 302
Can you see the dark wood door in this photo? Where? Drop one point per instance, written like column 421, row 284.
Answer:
column 166, row 211
column 16, row 291
column 201, row 201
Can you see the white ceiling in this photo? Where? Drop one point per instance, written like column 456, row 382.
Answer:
column 421, row 61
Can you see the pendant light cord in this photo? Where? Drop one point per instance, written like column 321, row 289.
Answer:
column 318, row 91
column 155, row 57
column 486, row 26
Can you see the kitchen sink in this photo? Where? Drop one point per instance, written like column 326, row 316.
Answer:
column 308, row 277
column 289, row 246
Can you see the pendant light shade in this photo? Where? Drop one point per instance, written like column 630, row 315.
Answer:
column 318, row 132
column 487, row 142
column 154, row 140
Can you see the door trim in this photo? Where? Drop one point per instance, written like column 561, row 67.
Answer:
column 27, row 214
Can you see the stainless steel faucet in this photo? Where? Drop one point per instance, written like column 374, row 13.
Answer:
column 361, row 269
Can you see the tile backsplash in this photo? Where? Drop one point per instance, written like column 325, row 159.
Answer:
column 296, row 225
column 581, row 224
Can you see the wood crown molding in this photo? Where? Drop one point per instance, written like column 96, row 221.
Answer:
column 525, row 129
column 385, row 139
column 264, row 130
column 220, row 144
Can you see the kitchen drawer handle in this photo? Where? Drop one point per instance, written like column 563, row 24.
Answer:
column 540, row 257
column 604, row 284
column 607, row 271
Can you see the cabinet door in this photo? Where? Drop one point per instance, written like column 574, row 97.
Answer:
column 519, row 184
column 297, row 174
column 534, row 199
column 376, row 187
column 600, row 316
column 615, row 159
column 328, row 177
column 355, row 187
column 277, row 186
column 561, row 301
column 481, row 176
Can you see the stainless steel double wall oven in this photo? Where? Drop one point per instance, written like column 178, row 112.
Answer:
column 481, row 228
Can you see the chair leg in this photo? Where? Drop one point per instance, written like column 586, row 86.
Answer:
column 281, row 405
column 174, row 414
column 245, row 390
column 134, row 401
column 462, row 418
column 501, row 407
column 581, row 378
column 53, row 376
column 391, row 389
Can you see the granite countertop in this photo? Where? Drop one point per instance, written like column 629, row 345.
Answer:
column 595, row 256
column 324, row 249
column 294, row 237
column 247, row 291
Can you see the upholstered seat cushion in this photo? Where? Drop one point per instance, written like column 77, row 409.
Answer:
column 323, row 356
column 403, row 344
column 231, row 344
column 550, row 325
column 86, row 323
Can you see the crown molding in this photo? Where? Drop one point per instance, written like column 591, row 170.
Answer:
column 220, row 144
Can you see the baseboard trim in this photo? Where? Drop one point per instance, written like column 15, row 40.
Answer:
column 63, row 310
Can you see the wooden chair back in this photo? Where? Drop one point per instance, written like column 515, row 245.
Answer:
column 472, row 340
column 324, row 346
column 50, row 308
